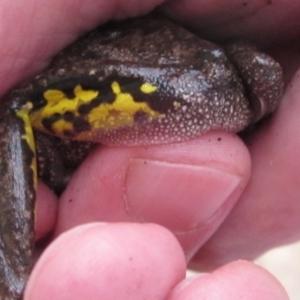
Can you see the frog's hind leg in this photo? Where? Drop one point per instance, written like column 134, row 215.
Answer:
column 57, row 159
column 17, row 197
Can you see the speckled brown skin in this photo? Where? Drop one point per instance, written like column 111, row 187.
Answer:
column 258, row 81
column 198, row 89
column 58, row 156
column 16, row 206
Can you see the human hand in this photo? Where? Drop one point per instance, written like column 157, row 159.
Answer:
column 137, row 261
column 224, row 163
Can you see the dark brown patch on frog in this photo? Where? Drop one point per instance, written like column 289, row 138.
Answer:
column 48, row 122
column 58, row 159
column 85, row 109
column 79, row 123
column 69, row 116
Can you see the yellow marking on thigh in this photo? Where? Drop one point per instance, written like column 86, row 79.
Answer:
column 29, row 138
column 148, row 88
column 59, row 103
column 120, row 113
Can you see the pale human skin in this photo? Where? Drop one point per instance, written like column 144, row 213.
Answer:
column 260, row 218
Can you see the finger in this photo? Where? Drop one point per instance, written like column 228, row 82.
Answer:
column 45, row 211
column 258, row 21
column 44, row 28
column 269, row 210
column 235, row 281
column 189, row 188
column 109, row 261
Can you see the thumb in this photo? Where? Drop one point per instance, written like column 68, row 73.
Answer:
column 188, row 188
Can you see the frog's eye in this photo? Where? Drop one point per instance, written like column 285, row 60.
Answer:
column 261, row 75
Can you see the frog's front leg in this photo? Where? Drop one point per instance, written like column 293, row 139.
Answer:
column 18, row 183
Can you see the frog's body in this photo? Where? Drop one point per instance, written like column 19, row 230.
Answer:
column 145, row 82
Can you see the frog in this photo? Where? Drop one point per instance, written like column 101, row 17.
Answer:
column 143, row 81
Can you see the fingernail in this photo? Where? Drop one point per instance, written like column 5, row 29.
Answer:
column 179, row 196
